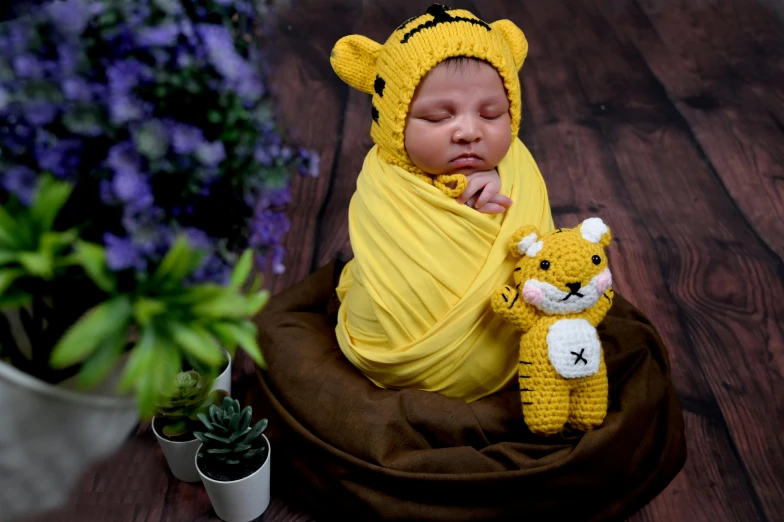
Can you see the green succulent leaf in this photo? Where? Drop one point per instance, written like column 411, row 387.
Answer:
column 257, row 430
column 81, row 339
column 206, row 421
column 218, row 451
column 175, row 429
column 217, row 438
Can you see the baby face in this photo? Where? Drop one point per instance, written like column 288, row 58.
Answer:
column 458, row 120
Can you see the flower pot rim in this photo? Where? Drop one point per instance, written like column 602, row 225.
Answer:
column 263, row 464
column 54, row 392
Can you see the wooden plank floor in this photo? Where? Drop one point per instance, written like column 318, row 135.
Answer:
column 666, row 118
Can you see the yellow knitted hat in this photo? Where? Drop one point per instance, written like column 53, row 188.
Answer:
column 391, row 72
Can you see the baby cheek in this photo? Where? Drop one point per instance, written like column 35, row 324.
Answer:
column 605, row 281
column 532, row 295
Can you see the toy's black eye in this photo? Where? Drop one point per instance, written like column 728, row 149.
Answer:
column 596, row 260
column 544, row 265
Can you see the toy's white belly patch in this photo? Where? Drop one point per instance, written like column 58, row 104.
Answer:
column 574, row 348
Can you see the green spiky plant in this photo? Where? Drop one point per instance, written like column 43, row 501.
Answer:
column 230, row 448
column 177, row 414
column 160, row 321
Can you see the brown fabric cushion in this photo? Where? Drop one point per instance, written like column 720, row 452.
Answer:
column 342, row 446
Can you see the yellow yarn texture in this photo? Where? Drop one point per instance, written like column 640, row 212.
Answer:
column 392, row 71
column 415, row 300
column 562, row 290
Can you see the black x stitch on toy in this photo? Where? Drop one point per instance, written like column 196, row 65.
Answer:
column 579, row 357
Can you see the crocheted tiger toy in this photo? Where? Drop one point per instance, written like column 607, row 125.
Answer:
column 390, row 72
column 562, row 292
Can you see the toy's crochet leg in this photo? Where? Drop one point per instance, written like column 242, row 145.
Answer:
column 588, row 402
column 545, row 396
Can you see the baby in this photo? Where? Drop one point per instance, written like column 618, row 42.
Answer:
column 433, row 212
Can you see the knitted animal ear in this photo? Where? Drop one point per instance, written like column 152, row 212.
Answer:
column 354, row 59
column 516, row 39
column 522, row 240
column 595, row 231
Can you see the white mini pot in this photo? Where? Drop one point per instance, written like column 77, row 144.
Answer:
column 179, row 455
column 240, row 500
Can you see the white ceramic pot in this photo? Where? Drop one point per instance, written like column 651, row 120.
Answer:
column 240, row 500
column 50, row 434
column 179, row 455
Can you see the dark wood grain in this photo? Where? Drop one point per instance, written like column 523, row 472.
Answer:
column 722, row 64
column 665, row 118
column 311, row 103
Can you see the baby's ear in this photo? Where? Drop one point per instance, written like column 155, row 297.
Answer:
column 522, row 239
column 517, row 41
column 595, row 231
column 354, row 59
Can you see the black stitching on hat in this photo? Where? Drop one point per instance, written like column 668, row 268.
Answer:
column 374, row 113
column 440, row 16
column 379, row 85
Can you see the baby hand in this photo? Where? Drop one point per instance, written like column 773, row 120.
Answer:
column 483, row 193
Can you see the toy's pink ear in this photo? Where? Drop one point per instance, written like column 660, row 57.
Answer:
column 595, row 231
column 522, row 240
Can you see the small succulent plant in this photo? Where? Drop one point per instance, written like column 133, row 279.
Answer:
column 229, row 440
column 190, row 397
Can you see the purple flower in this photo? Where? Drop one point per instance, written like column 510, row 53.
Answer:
column 123, row 158
column 21, row 182
column 62, row 157
column 211, row 154
column 152, row 139
column 185, row 138
column 124, row 108
column 68, row 58
column 268, row 228
column 224, row 58
column 161, row 35
column 125, row 75
column 27, row 66
column 76, row 89
column 39, row 112
column 121, row 253
column 69, row 16
column 106, row 193
column 132, row 189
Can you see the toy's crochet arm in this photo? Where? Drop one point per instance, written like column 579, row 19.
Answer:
column 596, row 313
column 509, row 304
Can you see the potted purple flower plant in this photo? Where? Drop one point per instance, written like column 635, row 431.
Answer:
column 141, row 175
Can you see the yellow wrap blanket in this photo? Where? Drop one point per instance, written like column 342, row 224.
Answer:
column 415, row 300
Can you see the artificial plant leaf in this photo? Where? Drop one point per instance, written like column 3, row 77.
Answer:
column 216, row 437
column 242, row 269
column 179, row 261
column 49, row 198
column 245, row 335
column 214, row 397
column 11, row 236
column 145, row 309
column 205, row 420
column 7, row 278
column 158, row 381
column 197, row 341
column 7, row 256
column 102, row 361
column 92, row 258
column 37, row 264
column 140, row 360
column 255, row 302
column 229, row 305
column 245, row 421
column 81, row 339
